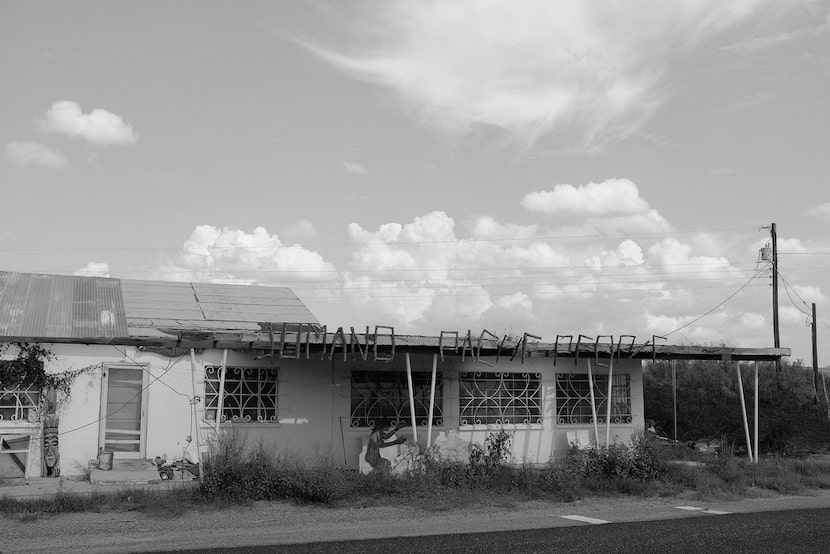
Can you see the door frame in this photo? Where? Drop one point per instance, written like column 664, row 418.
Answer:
column 102, row 426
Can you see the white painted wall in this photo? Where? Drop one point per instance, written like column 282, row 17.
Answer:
column 314, row 404
column 534, row 444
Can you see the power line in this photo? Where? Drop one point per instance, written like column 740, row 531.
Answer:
column 727, row 299
column 580, row 290
column 379, row 243
column 127, row 402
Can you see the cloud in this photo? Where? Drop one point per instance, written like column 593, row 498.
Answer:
column 354, row 168
column 822, row 211
column 231, row 255
column 23, row 153
column 589, row 69
column 613, row 197
column 99, row 127
column 430, row 274
column 94, row 269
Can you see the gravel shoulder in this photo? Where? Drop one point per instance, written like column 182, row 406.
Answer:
column 283, row 522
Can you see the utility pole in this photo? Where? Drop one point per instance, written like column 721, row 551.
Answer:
column 818, row 379
column 775, row 331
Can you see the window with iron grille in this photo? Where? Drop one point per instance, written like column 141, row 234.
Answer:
column 250, row 394
column 494, row 398
column 19, row 404
column 573, row 398
column 384, row 395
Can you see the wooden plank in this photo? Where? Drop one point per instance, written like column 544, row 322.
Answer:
column 170, row 312
column 241, row 290
column 218, row 312
column 135, row 324
column 258, row 293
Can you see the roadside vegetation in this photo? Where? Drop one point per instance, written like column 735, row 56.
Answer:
column 793, row 415
column 238, row 476
column 794, row 437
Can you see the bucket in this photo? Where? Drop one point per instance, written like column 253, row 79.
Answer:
column 105, row 460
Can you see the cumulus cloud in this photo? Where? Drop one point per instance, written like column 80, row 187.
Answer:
column 354, row 168
column 94, row 269
column 233, row 255
column 430, row 274
column 99, row 127
column 23, row 153
column 614, row 197
column 822, row 211
column 590, row 68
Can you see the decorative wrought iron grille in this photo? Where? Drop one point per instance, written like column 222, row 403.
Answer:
column 500, row 398
column 20, row 404
column 384, row 395
column 250, row 394
column 573, row 398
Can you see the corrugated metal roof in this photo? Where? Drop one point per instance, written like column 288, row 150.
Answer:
column 46, row 306
column 209, row 302
column 75, row 307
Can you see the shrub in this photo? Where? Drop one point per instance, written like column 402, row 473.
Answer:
column 234, row 472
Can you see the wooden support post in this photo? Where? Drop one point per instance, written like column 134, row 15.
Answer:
column 194, row 401
column 756, row 410
column 432, row 398
column 221, row 403
column 674, row 396
column 743, row 411
column 411, row 399
column 608, row 411
column 593, row 404
column 815, row 356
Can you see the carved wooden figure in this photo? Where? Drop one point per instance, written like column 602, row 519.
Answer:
column 51, row 466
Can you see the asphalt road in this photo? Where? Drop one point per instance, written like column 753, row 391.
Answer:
column 779, row 531
column 764, row 523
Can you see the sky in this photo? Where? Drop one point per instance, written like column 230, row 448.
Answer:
column 556, row 168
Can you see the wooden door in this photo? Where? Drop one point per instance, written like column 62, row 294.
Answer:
column 123, row 427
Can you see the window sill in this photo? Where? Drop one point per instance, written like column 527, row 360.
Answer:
column 492, row 426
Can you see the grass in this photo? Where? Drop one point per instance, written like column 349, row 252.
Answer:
column 235, row 475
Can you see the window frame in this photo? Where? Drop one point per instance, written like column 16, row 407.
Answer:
column 421, row 384
column 501, row 399
column 243, row 397
column 573, row 404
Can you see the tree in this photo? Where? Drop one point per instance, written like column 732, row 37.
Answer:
column 708, row 404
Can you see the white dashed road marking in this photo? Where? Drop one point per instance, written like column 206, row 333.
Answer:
column 586, row 519
column 703, row 510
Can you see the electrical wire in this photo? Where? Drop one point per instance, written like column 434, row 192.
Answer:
column 126, row 403
column 382, row 243
column 727, row 299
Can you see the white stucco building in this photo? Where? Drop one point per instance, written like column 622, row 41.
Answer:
column 156, row 362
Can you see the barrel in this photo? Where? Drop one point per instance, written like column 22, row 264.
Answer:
column 105, row 460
